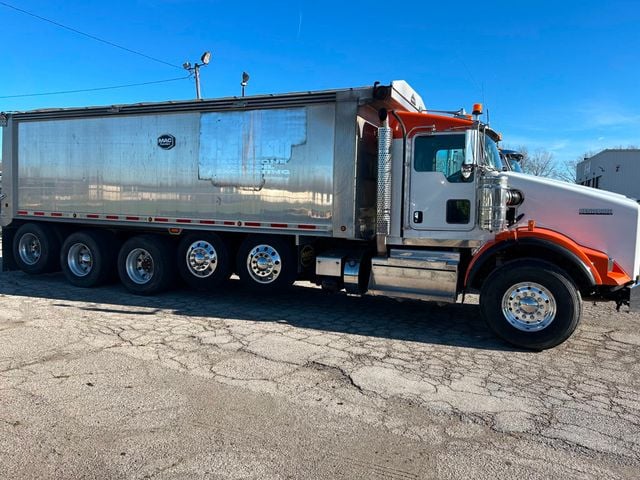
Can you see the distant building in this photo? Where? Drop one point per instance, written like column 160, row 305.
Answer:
column 615, row 170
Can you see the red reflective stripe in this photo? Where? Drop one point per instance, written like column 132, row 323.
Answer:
column 93, row 215
column 39, row 214
column 161, row 219
column 112, row 217
column 307, row 227
column 23, row 212
column 229, row 223
column 183, row 220
column 279, row 225
column 207, row 222
column 132, row 218
column 252, row 224
column 56, row 214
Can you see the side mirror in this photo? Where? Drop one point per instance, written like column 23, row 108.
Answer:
column 471, row 148
column 466, row 171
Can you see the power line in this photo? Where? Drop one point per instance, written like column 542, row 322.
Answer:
column 88, row 35
column 94, row 89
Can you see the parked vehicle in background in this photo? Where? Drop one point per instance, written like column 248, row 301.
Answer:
column 361, row 189
column 511, row 159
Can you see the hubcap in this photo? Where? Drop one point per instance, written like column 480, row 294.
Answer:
column 202, row 259
column 29, row 249
column 139, row 265
column 529, row 306
column 80, row 260
column 264, row 264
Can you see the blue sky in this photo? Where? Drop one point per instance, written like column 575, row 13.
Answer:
column 561, row 75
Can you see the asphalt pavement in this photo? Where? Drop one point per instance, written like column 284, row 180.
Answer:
column 103, row 384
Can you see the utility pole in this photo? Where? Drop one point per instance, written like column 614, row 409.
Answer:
column 195, row 70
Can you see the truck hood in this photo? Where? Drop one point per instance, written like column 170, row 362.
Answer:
column 596, row 219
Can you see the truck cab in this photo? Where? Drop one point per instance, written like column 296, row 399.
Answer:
column 464, row 222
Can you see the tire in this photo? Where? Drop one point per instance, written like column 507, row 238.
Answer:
column 203, row 260
column 530, row 304
column 88, row 258
column 146, row 264
column 266, row 263
column 36, row 248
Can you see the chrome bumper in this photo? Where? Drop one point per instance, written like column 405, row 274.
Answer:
column 634, row 297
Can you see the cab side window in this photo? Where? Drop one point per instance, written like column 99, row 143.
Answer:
column 440, row 153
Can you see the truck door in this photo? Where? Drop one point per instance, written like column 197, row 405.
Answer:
column 441, row 198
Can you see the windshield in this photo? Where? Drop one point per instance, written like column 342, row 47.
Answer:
column 491, row 154
column 515, row 165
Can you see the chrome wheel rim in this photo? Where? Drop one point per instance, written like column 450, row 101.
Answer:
column 264, row 264
column 29, row 248
column 139, row 265
column 202, row 259
column 80, row 260
column 529, row 306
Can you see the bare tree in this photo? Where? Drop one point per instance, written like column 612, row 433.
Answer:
column 567, row 170
column 540, row 163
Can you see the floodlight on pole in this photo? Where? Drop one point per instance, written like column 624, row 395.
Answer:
column 245, row 80
column 195, row 69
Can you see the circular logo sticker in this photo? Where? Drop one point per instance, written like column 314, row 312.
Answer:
column 166, row 141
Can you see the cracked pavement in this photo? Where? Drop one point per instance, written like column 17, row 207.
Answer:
column 103, row 384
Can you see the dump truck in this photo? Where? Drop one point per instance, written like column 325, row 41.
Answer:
column 361, row 190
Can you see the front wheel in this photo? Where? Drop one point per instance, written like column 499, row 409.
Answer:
column 530, row 304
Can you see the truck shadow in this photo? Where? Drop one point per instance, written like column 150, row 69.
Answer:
column 302, row 307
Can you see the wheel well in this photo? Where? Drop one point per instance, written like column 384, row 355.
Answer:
column 536, row 249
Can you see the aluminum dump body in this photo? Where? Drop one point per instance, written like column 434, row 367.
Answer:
column 296, row 162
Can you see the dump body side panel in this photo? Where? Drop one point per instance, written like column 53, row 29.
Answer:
column 267, row 165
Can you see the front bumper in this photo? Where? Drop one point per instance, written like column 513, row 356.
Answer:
column 634, row 297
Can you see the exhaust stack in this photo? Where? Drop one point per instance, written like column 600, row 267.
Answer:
column 385, row 135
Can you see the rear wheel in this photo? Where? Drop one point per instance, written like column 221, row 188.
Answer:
column 203, row 260
column 146, row 264
column 531, row 304
column 266, row 262
column 36, row 248
column 88, row 258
